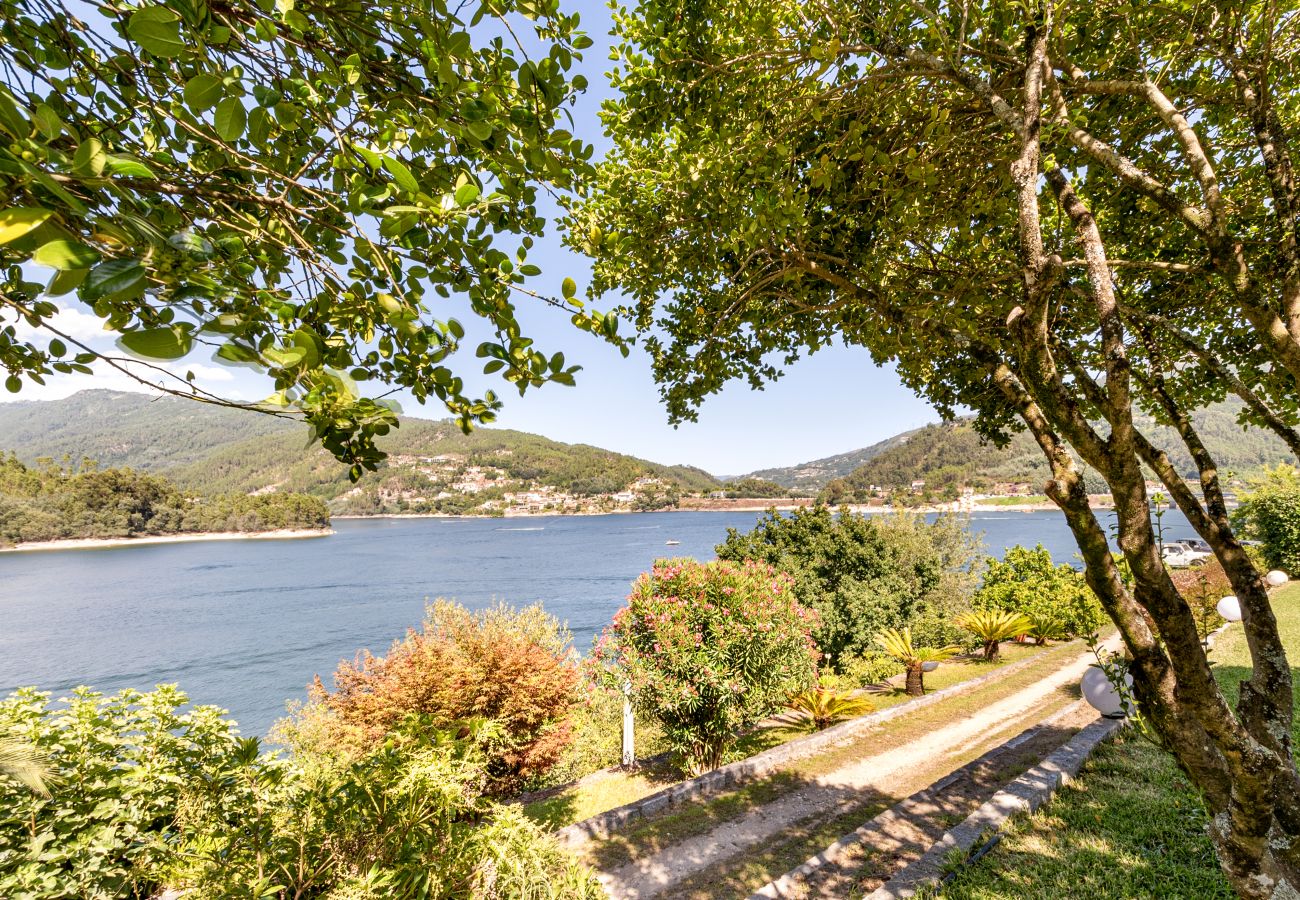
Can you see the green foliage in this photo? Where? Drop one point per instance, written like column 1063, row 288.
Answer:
column 826, row 703
column 511, row 666
column 23, row 763
column 709, row 649
column 758, row 488
column 868, row 667
column 1270, row 513
column 149, row 797
column 55, row 503
column 296, row 185
column 1026, row 581
column 866, row 573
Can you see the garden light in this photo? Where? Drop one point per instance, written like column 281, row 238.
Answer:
column 1101, row 694
column 1276, row 578
column 1229, row 608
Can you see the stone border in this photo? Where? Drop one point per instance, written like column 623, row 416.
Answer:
column 755, row 767
column 1023, row 795
column 790, row 884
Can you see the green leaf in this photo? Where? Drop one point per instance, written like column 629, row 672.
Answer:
column 158, row 30
column 285, row 358
column 202, row 92
column 116, row 276
column 128, row 167
column 66, row 282
column 19, row 220
column 569, row 288
column 231, row 119
column 90, row 158
column 466, row 194
column 401, row 174
column 157, row 343
column 65, row 255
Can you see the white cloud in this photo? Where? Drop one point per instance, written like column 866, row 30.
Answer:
column 75, row 323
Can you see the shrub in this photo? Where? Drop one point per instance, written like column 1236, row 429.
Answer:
column 146, row 797
column 598, row 735
column 1027, row 581
column 992, row 627
column 709, row 649
column 827, row 703
column 899, row 645
column 512, row 666
column 866, row 573
column 869, row 667
column 1270, row 513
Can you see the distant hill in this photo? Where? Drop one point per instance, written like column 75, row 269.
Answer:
column 214, row 450
column 811, row 477
column 953, row 454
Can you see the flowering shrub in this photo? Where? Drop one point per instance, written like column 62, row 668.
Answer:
column 512, row 666
column 710, row 648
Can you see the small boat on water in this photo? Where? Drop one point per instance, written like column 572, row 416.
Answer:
column 672, row 543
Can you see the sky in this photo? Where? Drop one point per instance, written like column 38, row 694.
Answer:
column 832, row 402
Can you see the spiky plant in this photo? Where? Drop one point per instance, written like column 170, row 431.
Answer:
column 829, row 703
column 26, row 765
column 898, row 644
column 1046, row 628
column 993, row 626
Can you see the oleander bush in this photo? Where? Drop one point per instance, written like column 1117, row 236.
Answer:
column 512, row 666
column 710, row 649
column 144, row 796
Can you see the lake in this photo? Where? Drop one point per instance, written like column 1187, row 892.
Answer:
column 246, row 624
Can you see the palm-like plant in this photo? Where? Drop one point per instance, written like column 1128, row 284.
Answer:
column 993, row 626
column 26, row 765
column 827, row 703
column 1046, row 628
column 898, row 644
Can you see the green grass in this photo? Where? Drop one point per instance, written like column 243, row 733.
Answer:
column 608, row 790
column 1131, row 825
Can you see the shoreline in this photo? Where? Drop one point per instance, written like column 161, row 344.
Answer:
column 755, row 507
column 279, row 534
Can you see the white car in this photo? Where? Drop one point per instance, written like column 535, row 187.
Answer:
column 1180, row 555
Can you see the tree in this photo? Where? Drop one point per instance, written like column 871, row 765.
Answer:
column 292, row 185
column 1027, row 581
column 866, row 573
column 1055, row 217
column 993, row 627
column 1270, row 513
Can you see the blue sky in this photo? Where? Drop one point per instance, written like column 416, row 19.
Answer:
column 832, row 402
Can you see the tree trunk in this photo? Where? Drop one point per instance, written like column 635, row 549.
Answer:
column 915, row 680
column 991, row 650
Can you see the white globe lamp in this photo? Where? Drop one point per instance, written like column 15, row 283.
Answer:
column 1277, row 578
column 1229, row 608
column 930, row 666
column 1101, row 694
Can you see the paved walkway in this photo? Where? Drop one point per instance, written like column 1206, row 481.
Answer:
column 837, row 792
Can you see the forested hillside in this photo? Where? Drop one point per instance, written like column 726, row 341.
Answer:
column 52, row 502
column 432, row 466
column 945, row 456
column 808, row 478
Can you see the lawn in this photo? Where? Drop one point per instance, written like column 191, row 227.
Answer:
column 1131, row 825
column 610, row 789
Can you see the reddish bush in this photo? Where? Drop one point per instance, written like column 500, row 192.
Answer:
column 1203, row 587
column 513, row 667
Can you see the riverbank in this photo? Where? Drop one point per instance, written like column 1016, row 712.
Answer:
column 105, row 543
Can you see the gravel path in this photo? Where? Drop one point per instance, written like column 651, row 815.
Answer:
column 837, row 792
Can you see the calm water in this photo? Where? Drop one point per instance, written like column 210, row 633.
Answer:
column 246, row 624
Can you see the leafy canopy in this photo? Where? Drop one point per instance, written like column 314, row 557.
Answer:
column 294, row 186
